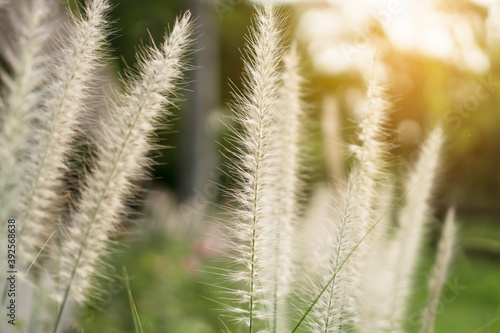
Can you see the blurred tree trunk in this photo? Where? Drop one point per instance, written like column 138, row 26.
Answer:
column 197, row 145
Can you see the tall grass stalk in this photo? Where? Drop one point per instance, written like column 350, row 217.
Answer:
column 353, row 216
column 22, row 100
column 332, row 311
column 21, row 109
column 314, row 302
column 255, row 109
column 121, row 159
column 74, row 72
column 413, row 218
column 370, row 165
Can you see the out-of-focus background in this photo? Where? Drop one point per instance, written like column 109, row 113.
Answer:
column 440, row 62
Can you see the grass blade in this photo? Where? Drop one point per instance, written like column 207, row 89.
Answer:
column 133, row 308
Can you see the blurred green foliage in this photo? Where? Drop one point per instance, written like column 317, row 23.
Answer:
column 168, row 286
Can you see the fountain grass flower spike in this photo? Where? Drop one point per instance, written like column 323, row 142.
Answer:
column 74, row 73
column 254, row 229
column 350, row 224
column 121, row 159
column 22, row 99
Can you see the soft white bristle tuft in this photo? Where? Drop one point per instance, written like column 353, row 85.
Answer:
column 121, row 159
column 255, row 167
column 74, row 73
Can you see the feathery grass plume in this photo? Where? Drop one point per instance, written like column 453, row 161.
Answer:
column 412, row 219
column 440, row 271
column 74, row 72
column 357, row 213
column 333, row 311
column 370, row 159
column 21, row 99
column 255, row 167
column 122, row 158
column 370, row 154
column 288, row 183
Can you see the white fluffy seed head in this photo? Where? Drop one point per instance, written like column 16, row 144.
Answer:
column 372, row 150
column 336, row 308
column 74, row 72
column 412, row 219
column 22, row 97
column 369, row 178
column 371, row 160
column 356, row 210
column 121, row 159
column 253, row 202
